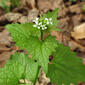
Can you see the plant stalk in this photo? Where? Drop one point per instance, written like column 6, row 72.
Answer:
column 37, row 75
column 41, row 34
column 39, row 66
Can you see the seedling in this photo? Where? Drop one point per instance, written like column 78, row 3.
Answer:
column 7, row 4
column 72, row 0
column 83, row 8
column 64, row 69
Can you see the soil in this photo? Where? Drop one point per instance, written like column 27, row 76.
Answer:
column 71, row 18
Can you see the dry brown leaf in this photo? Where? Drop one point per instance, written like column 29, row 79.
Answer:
column 79, row 32
column 77, row 19
column 23, row 19
column 12, row 16
column 62, row 38
column 76, row 8
column 4, row 56
column 45, row 5
column 32, row 14
column 2, row 63
column 43, row 80
column 4, row 48
column 31, row 3
column 4, row 37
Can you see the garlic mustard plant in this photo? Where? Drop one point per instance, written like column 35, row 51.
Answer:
column 64, row 69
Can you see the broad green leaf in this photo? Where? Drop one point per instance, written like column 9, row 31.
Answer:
column 53, row 15
column 21, row 32
column 19, row 67
column 41, row 50
column 66, row 67
column 11, row 74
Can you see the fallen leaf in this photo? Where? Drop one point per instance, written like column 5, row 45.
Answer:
column 45, row 5
column 5, row 38
column 79, row 32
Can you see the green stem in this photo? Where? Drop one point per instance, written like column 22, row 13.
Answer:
column 38, row 66
column 41, row 34
column 8, row 9
column 37, row 75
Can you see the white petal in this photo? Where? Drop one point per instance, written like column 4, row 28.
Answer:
column 37, row 19
column 38, row 27
column 42, row 28
column 46, row 18
column 36, row 22
column 50, row 19
column 40, row 23
column 45, row 27
column 33, row 20
column 47, row 23
column 34, row 25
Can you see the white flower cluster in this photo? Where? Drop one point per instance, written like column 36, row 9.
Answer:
column 42, row 24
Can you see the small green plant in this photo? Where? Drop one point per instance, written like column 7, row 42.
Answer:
column 83, row 7
column 7, row 4
column 72, row 0
column 64, row 69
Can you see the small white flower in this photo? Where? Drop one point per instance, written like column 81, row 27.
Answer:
column 42, row 28
column 40, row 23
column 36, row 22
column 45, row 27
column 46, row 19
column 38, row 27
column 37, row 19
column 47, row 22
column 34, row 25
column 50, row 19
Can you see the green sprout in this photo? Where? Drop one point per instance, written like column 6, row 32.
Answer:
column 7, row 4
column 83, row 7
column 72, row 0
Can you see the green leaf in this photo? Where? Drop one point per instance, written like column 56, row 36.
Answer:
column 66, row 67
column 21, row 32
column 53, row 15
column 72, row 0
column 15, row 3
column 41, row 50
column 19, row 67
column 5, row 4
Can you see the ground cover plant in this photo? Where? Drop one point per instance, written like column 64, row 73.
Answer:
column 8, row 4
column 72, row 0
column 64, row 69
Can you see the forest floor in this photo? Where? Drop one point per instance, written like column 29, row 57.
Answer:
column 71, row 19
